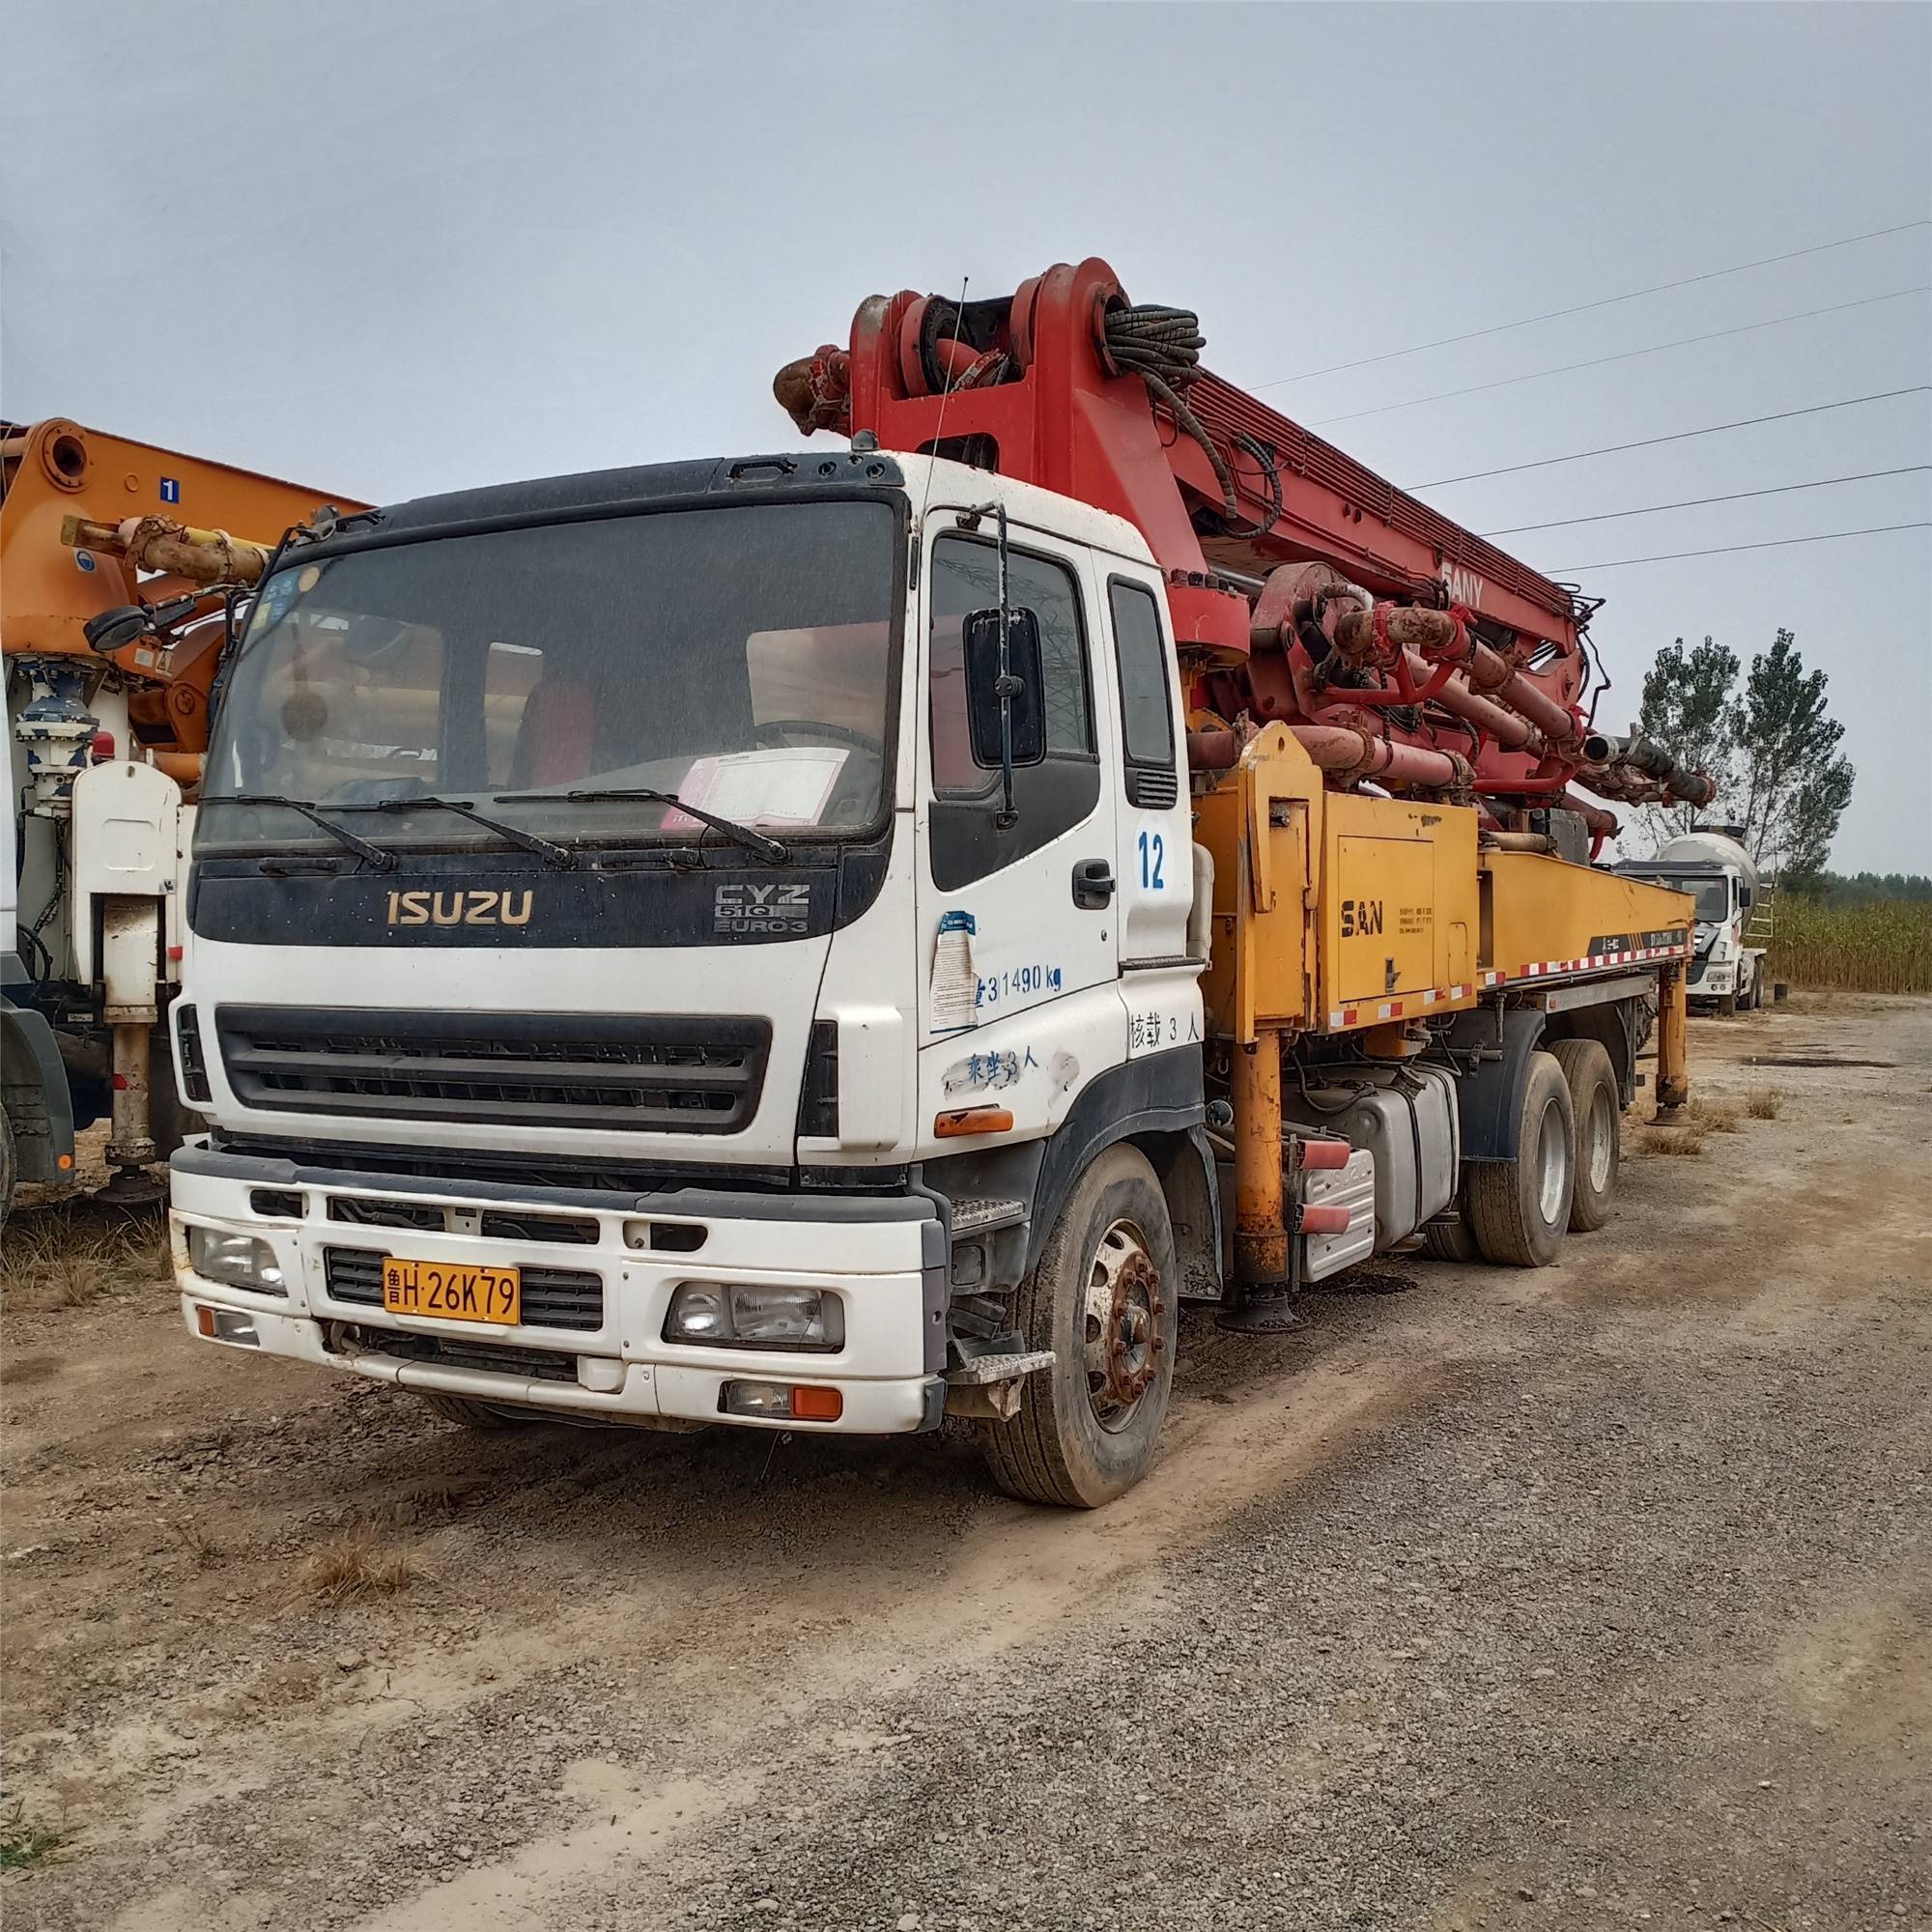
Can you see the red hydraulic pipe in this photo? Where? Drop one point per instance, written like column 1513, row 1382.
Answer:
column 1438, row 637
column 1352, row 754
column 1505, row 726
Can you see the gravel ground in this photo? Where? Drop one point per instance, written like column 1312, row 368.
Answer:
column 1591, row 1596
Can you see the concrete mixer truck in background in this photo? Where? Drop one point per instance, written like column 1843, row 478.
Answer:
column 1712, row 864
column 123, row 569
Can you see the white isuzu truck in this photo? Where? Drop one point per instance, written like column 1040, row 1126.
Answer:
column 707, row 1110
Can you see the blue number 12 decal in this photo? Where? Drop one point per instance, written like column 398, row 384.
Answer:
column 1153, row 851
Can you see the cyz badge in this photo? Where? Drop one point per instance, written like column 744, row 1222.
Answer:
column 750, row 908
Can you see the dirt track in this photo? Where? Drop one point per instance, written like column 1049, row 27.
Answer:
column 1579, row 1598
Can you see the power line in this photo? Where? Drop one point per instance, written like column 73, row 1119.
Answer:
column 1692, row 502
column 1680, row 436
column 1725, row 550
column 1622, row 356
column 1602, row 302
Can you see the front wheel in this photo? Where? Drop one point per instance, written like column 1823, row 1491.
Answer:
column 1520, row 1208
column 1102, row 1297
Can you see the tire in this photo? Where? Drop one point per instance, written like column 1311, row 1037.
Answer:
column 9, row 1166
column 1079, row 1439
column 1452, row 1240
column 1727, row 1006
column 1520, row 1208
column 468, row 1414
column 1596, row 1106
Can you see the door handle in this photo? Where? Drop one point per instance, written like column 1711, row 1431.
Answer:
column 1093, row 883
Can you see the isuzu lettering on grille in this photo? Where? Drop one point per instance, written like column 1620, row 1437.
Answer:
column 750, row 908
column 460, row 908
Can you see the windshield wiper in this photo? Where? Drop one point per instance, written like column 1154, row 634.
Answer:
column 774, row 849
column 548, row 849
column 378, row 856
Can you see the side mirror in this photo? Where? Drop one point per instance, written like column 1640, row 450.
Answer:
column 1015, row 697
column 1744, row 895
column 116, row 629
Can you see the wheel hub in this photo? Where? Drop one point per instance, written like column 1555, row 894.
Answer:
column 1124, row 1341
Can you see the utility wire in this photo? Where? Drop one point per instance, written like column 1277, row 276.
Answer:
column 1692, row 502
column 1602, row 302
column 1680, row 436
column 1622, row 356
column 1725, row 550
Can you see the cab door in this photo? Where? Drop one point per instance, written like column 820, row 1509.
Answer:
column 1156, row 842
column 1019, row 925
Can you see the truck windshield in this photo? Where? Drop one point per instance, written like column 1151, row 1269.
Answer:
column 739, row 658
column 1713, row 896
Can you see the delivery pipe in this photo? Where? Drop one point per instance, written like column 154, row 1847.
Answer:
column 1374, row 636
column 1348, row 755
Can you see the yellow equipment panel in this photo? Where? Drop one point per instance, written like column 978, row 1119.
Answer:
column 1338, row 910
column 1399, row 899
column 1551, row 918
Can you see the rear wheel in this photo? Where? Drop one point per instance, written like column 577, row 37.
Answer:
column 1102, row 1298
column 1452, row 1240
column 1597, row 1107
column 1520, row 1208
column 468, row 1414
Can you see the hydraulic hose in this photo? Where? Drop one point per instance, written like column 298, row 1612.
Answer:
column 1163, row 346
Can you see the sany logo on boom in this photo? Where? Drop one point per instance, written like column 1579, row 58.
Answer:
column 1463, row 586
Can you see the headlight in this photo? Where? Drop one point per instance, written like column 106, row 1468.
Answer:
column 734, row 1315
column 238, row 1260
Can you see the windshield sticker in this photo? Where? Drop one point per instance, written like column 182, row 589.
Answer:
column 280, row 591
column 782, row 787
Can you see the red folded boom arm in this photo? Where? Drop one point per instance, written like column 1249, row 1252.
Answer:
column 1303, row 587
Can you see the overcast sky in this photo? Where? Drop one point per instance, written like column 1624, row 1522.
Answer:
column 399, row 247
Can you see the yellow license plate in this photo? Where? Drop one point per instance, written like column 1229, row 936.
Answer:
column 452, row 1291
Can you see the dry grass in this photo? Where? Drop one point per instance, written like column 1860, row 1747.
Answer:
column 356, row 1565
column 1714, row 1117
column 1640, row 1138
column 75, row 1252
column 1762, row 1103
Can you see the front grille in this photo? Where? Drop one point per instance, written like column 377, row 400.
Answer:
column 512, row 1224
column 490, row 1358
column 637, row 1074
column 553, row 1297
column 366, row 1214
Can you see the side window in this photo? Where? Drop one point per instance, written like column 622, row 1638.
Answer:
column 1147, row 719
column 1051, row 797
column 966, row 578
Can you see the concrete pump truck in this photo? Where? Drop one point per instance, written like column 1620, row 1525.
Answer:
column 831, row 940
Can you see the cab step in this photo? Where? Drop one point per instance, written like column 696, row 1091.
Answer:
column 980, row 1214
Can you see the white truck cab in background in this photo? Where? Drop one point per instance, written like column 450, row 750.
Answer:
column 1712, row 864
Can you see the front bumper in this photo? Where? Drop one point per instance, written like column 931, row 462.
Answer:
column 599, row 1350
column 1712, row 978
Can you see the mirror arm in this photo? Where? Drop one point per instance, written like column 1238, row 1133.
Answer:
column 1006, row 687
